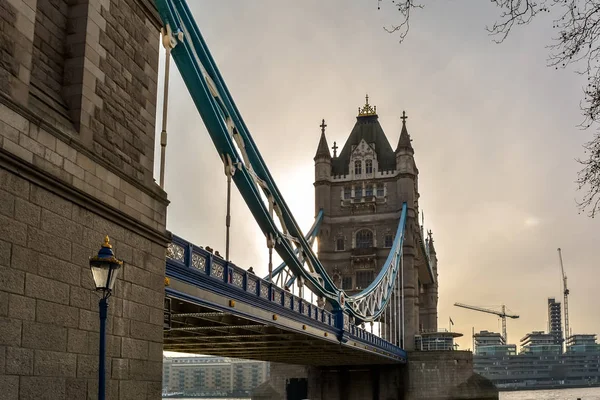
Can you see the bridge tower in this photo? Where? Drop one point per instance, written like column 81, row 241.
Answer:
column 361, row 191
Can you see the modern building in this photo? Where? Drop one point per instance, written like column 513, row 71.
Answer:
column 492, row 344
column 555, row 321
column 212, row 376
column 582, row 343
column 361, row 191
column 539, row 342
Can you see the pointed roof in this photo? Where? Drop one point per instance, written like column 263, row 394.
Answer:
column 367, row 127
column 431, row 248
column 323, row 147
column 404, row 142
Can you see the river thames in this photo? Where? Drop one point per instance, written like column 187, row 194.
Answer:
column 563, row 394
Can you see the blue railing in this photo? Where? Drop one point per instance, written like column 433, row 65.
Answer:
column 197, row 266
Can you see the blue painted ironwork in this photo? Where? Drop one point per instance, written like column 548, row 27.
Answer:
column 180, row 266
column 253, row 179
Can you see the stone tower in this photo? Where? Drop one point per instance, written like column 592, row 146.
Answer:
column 361, row 192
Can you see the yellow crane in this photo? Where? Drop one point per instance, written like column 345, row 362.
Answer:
column 502, row 314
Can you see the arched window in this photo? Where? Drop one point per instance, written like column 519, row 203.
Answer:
column 364, row 239
column 357, row 167
column 369, row 191
column 339, row 244
column 369, row 167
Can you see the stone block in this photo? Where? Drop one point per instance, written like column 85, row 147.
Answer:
column 136, row 311
column 9, row 387
column 7, row 203
column 57, row 314
column 4, row 296
column 12, row 280
column 10, row 332
column 80, row 298
column 24, row 259
column 89, row 320
column 146, row 296
column 44, row 336
column 50, row 201
column 144, row 370
column 21, row 307
column 155, row 351
column 87, row 366
column 27, row 212
column 19, row 361
column 46, row 289
column 154, row 390
column 5, row 253
column 17, row 150
column 157, row 316
column 48, row 244
column 120, row 368
column 105, row 227
column 66, row 151
column 135, row 349
column 76, row 388
column 74, row 169
column 14, row 184
column 31, row 145
column 61, row 226
column 2, row 360
column 13, row 231
column 42, row 388
column 59, row 270
column 132, row 390
column 53, row 363
column 77, row 341
column 145, row 331
column 120, row 326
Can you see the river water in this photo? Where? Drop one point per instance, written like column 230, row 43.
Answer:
column 562, row 394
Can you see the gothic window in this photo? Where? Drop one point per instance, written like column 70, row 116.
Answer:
column 364, row 239
column 339, row 244
column 389, row 240
column 358, row 190
column 380, row 191
column 364, row 278
column 357, row 167
column 347, row 192
column 347, row 282
column 369, row 166
column 369, row 191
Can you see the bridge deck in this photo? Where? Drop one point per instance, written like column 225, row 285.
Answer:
column 213, row 307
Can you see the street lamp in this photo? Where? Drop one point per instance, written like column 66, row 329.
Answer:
column 104, row 267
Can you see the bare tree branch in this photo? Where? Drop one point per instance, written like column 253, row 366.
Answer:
column 577, row 43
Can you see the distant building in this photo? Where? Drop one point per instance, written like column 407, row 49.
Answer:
column 582, row 343
column 555, row 321
column 538, row 342
column 212, row 376
column 492, row 343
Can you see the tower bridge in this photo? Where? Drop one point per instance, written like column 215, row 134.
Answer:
column 78, row 91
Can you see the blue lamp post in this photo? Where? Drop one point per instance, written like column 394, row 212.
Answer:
column 105, row 267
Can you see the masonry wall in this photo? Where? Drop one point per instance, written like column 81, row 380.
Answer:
column 77, row 109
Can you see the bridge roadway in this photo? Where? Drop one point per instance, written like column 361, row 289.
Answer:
column 214, row 307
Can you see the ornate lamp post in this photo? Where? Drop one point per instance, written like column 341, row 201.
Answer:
column 105, row 267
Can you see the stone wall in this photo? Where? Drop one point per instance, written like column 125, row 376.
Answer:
column 445, row 375
column 76, row 159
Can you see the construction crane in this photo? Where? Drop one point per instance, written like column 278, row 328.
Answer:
column 566, row 293
column 502, row 314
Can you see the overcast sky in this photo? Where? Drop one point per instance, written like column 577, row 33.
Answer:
column 494, row 131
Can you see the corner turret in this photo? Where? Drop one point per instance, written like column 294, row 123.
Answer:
column 405, row 162
column 322, row 172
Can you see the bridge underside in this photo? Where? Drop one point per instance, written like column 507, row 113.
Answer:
column 201, row 323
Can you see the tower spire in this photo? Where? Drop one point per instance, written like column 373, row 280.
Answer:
column 323, row 147
column 405, row 141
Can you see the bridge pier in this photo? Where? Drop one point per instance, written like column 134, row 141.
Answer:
column 433, row 375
